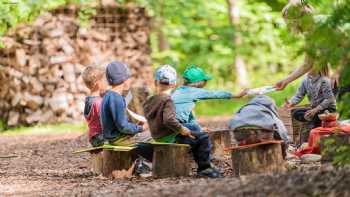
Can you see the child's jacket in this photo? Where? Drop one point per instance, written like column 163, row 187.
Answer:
column 260, row 112
column 92, row 115
column 318, row 91
column 185, row 97
column 115, row 123
column 160, row 114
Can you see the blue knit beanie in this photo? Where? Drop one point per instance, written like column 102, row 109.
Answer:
column 117, row 72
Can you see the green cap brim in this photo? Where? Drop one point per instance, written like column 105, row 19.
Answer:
column 208, row 77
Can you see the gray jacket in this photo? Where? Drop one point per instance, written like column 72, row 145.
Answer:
column 318, row 91
column 260, row 112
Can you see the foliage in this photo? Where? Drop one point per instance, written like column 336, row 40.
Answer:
column 200, row 32
column 339, row 152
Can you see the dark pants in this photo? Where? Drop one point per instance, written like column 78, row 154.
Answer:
column 143, row 150
column 97, row 140
column 200, row 147
column 299, row 115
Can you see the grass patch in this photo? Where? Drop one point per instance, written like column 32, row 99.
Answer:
column 229, row 107
column 51, row 128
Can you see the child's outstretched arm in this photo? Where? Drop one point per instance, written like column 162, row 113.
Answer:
column 299, row 96
column 241, row 94
column 203, row 94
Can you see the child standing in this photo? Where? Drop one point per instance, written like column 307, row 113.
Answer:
column 93, row 77
column 160, row 114
column 317, row 87
column 186, row 96
column 117, row 128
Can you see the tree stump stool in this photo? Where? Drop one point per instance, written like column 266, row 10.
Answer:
column 115, row 160
column 220, row 140
column 97, row 162
column 296, row 130
column 171, row 160
column 262, row 157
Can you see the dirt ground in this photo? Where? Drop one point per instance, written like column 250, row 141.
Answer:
column 44, row 166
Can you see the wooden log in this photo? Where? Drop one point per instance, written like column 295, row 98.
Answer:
column 97, row 162
column 115, row 160
column 171, row 160
column 295, row 128
column 220, row 140
column 13, row 119
column 265, row 157
column 330, row 146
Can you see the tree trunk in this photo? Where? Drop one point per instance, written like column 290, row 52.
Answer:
column 220, row 140
column 115, row 160
column 263, row 157
column 171, row 161
column 240, row 67
column 162, row 41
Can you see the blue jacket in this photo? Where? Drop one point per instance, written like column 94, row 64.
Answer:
column 114, row 119
column 185, row 97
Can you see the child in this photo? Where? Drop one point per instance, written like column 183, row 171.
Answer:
column 317, row 87
column 160, row 114
column 117, row 129
column 93, row 78
column 185, row 97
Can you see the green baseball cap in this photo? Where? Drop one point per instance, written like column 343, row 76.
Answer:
column 194, row 74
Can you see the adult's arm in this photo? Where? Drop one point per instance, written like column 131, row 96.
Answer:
column 303, row 69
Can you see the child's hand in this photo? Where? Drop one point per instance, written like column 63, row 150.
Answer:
column 205, row 129
column 310, row 114
column 241, row 94
column 186, row 132
column 145, row 126
column 287, row 104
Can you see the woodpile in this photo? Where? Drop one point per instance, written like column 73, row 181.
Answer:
column 41, row 64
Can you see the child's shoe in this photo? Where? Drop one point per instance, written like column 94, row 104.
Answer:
column 210, row 172
column 142, row 167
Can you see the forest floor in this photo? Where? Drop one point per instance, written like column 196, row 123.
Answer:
column 45, row 166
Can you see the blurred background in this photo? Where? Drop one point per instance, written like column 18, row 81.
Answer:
column 241, row 43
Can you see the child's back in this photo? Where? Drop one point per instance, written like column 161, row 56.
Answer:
column 93, row 77
column 160, row 113
column 114, row 118
column 319, row 92
column 92, row 116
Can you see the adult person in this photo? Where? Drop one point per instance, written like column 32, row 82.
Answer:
column 298, row 17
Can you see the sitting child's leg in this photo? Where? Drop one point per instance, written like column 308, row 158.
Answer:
column 143, row 150
column 193, row 127
column 200, row 148
column 299, row 114
column 97, row 140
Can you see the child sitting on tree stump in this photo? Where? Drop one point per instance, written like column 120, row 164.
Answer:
column 186, row 96
column 93, row 77
column 117, row 129
column 317, row 87
column 160, row 114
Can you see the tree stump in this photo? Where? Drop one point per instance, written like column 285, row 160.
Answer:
column 296, row 129
column 262, row 157
column 115, row 160
column 97, row 163
column 219, row 141
column 171, row 160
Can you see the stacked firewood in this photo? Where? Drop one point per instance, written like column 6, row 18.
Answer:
column 41, row 64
